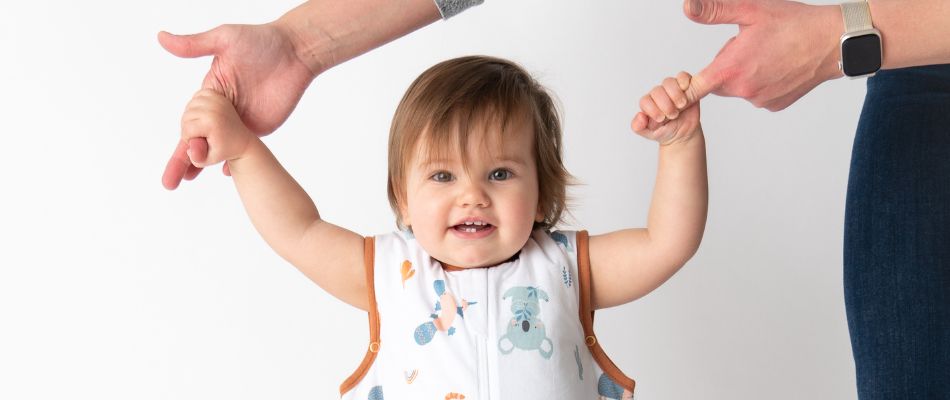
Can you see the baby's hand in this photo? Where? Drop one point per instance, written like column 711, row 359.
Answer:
column 666, row 114
column 211, row 116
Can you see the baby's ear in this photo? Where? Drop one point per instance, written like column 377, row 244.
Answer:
column 404, row 216
column 539, row 217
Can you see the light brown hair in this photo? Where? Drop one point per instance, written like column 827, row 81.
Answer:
column 448, row 100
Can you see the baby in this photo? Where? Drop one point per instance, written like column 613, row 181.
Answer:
column 477, row 296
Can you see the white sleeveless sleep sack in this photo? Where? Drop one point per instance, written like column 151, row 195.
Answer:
column 519, row 330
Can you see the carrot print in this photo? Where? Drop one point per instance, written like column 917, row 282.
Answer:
column 407, row 272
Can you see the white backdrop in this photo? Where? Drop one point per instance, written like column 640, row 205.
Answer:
column 113, row 288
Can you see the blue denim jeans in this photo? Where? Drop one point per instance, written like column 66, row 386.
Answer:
column 897, row 237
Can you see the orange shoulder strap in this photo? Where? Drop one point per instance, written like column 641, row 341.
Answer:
column 369, row 254
column 587, row 316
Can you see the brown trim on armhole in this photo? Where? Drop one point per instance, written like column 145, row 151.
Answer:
column 369, row 254
column 587, row 317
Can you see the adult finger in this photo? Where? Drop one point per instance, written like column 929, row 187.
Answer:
column 714, row 12
column 192, row 172
column 177, row 167
column 705, row 82
column 190, row 46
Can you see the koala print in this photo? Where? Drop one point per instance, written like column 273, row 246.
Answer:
column 525, row 331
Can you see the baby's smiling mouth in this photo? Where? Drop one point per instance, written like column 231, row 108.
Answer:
column 472, row 226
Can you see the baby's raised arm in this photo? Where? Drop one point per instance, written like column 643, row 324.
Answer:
column 627, row 264
column 280, row 209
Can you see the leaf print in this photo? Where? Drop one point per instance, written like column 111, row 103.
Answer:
column 566, row 276
column 522, row 314
column 577, row 358
column 454, row 396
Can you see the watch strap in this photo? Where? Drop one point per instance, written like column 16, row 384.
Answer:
column 857, row 16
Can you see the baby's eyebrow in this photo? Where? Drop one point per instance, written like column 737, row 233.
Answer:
column 503, row 159
column 439, row 162
column 512, row 159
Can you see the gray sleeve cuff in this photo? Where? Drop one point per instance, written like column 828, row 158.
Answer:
column 450, row 8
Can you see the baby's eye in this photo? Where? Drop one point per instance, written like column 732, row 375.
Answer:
column 441, row 176
column 500, row 174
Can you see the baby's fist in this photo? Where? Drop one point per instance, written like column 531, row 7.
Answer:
column 669, row 113
column 211, row 116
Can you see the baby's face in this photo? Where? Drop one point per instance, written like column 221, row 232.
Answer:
column 479, row 217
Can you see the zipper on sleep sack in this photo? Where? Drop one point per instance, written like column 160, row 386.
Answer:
column 480, row 351
column 481, row 342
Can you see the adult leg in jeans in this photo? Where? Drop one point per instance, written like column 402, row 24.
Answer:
column 897, row 237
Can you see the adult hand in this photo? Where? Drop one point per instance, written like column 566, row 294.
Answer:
column 783, row 50
column 255, row 67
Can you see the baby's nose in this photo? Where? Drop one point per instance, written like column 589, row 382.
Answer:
column 473, row 195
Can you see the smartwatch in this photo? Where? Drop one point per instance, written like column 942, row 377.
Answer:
column 861, row 50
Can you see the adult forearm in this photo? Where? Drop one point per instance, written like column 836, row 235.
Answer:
column 914, row 32
column 328, row 32
column 279, row 208
column 677, row 216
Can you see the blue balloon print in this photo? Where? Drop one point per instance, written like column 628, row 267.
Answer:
column 376, row 393
column 608, row 388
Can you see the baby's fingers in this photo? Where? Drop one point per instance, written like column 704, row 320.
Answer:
column 648, row 106
column 683, row 78
column 643, row 125
column 196, row 127
column 690, row 87
column 675, row 93
column 664, row 103
column 640, row 122
column 198, row 151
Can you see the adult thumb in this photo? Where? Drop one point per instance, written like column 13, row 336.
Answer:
column 713, row 12
column 705, row 82
column 189, row 46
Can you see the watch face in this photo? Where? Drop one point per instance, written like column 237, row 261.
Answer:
column 861, row 55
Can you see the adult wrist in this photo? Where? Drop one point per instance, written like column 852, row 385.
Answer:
column 312, row 45
column 830, row 18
